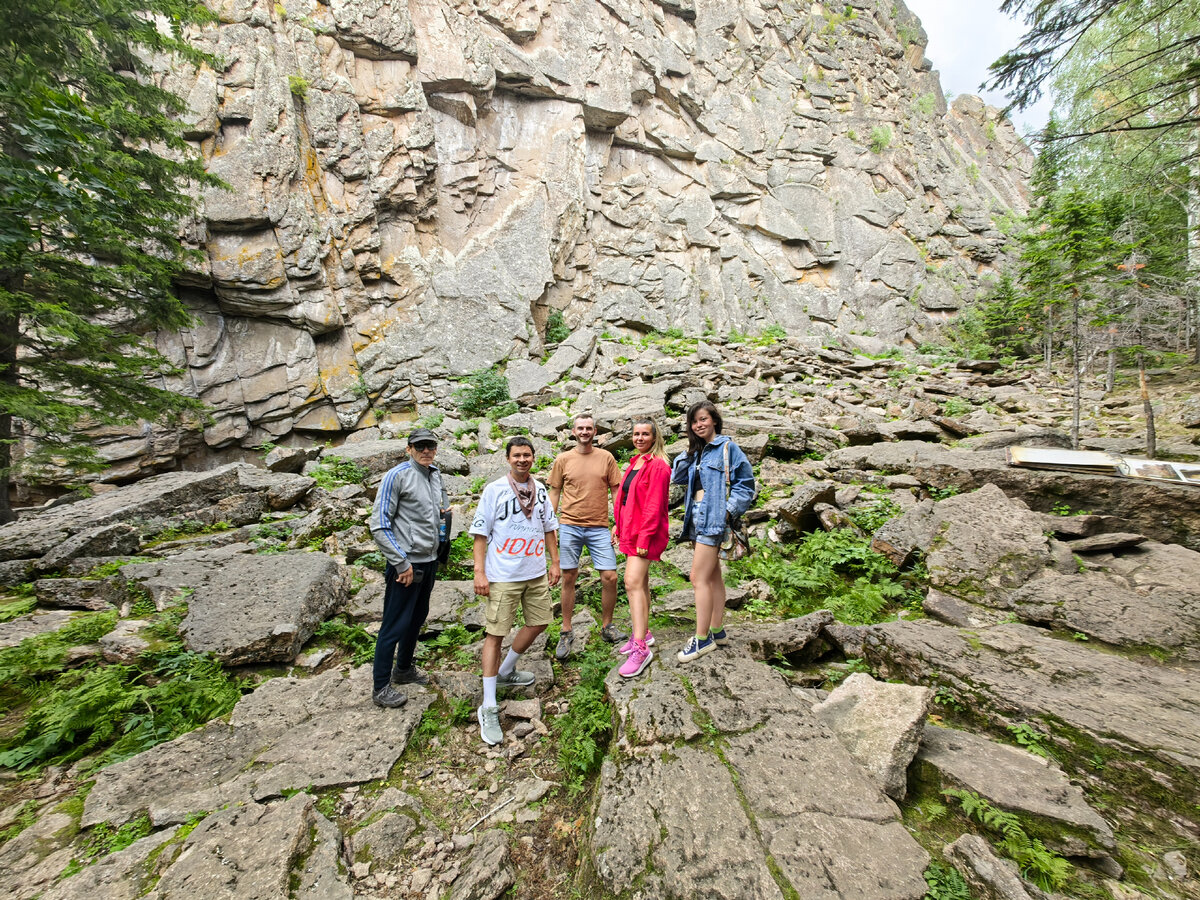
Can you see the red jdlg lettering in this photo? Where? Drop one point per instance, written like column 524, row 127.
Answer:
column 523, row 546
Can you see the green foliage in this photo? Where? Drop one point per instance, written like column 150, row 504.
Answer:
column 925, row 104
column 955, row 406
column 22, row 665
column 834, row 570
column 871, row 516
column 945, row 883
column 448, row 646
column 17, row 608
column 113, row 711
column 950, row 490
column 461, row 565
column 556, row 328
column 90, row 219
column 351, row 636
column 26, row 816
column 1029, row 738
column 298, row 85
column 583, row 733
column 334, row 471
column 113, row 566
column 881, row 138
column 433, row 420
column 103, row 839
column 484, row 394
column 477, row 484
column 1045, row 869
column 373, row 560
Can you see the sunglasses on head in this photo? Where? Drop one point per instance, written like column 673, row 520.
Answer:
column 425, row 445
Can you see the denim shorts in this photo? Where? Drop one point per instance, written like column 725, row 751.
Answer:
column 708, row 540
column 598, row 540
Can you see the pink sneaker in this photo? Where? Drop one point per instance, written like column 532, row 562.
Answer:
column 628, row 645
column 639, row 658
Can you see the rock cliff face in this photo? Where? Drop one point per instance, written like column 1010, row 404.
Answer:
column 416, row 186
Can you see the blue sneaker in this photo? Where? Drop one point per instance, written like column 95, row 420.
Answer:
column 719, row 636
column 696, row 647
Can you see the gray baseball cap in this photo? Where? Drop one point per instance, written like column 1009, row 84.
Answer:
column 422, row 434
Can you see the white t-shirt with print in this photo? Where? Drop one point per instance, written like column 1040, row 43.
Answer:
column 516, row 544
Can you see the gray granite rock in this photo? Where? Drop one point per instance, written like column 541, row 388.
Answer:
column 289, row 734
column 880, row 725
column 1012, row 673
column 784, row 784
column 988, row 876
column 1016, row 780
column 243, row 607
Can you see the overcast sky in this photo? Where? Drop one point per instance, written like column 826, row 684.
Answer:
column 965, row 37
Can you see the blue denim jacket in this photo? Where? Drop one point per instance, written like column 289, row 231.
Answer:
column 708, row 516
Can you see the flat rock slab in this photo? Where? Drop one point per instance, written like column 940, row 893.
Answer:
column 170, row 494
column 1109, row 610
column 1014, row 673
column 289, row 734
column 16, row 630
column 1013, row 779
column 792, row 639
column 741, row 792
column 242, row 607
column 880, row 724
column 1164, row 512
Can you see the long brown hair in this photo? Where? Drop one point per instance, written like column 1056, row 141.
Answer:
column 695, row 444
column 657, row 447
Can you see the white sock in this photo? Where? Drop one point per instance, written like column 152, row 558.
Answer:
column 510, row 662
column 489, row 690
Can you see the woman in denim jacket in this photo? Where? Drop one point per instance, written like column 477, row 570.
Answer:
column 705, row 518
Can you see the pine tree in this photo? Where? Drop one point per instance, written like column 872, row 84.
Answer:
column 93, row 178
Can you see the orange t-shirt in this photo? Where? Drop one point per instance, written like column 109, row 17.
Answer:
column 585, row 480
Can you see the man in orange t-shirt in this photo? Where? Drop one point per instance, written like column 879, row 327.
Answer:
column 584, row 479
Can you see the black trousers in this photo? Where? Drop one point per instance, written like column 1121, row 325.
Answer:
column 404, row 611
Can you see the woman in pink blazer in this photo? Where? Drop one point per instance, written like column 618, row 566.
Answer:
column 640, row 532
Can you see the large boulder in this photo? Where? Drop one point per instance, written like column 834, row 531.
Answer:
column 797, row 815
column 290, row 734
column 244, row 608
column 880, row 725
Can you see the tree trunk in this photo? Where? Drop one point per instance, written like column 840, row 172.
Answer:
column 9, row 335
column 1076, row 393
column 1147, row 409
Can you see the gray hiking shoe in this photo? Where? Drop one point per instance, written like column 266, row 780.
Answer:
column 515, row 678
column 388, row 697
column 613, row 634
column 489, row 725
column 566, row 644
column 411, row 675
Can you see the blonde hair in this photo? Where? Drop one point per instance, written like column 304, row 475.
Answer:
column 658, row 448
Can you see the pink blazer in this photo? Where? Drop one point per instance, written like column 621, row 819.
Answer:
column 641, row 521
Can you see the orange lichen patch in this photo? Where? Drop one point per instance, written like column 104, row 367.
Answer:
column 821, row 276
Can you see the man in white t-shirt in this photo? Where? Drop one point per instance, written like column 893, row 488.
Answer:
column 515, row 530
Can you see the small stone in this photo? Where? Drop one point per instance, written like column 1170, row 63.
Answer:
column 489, row 766
column 360, row 870
column 420, row 879
column 522, row 729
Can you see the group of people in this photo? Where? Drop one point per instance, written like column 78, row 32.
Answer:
column 529, row 537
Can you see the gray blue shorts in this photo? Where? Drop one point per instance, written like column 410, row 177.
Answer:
column 708, row 540
column 598, row 540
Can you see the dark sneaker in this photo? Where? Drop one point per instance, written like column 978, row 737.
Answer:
column 613, row 634
column 411, row 675
column 388, row 697
column 566, row 643
column 696, row 647
column 720, row 637
column 489, row 725
column 515, row 678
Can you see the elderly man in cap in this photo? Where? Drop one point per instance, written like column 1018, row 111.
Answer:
column 405, row 523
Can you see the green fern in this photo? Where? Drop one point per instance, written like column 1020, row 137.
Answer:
column 945, row 883
column 1044, row 868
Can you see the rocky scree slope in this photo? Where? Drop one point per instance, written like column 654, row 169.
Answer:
column 416, row 187
column 1041, row 665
